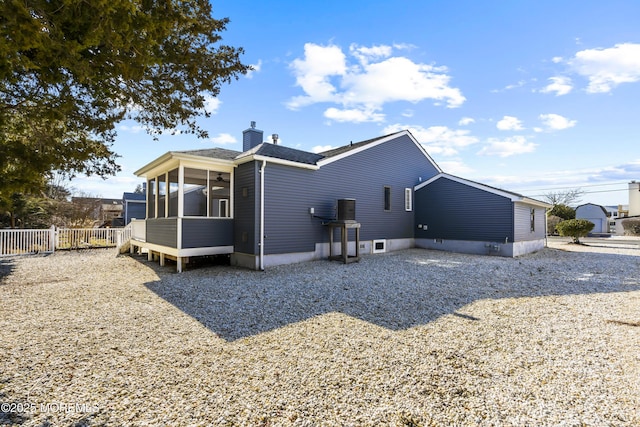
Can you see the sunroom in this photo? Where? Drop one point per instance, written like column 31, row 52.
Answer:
column 189, row 206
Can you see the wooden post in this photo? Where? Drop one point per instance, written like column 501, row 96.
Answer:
column 344, row 241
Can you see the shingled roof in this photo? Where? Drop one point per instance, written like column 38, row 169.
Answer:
column 352, row 146
column 287, row 153
column 281, row 152
column 214, row 153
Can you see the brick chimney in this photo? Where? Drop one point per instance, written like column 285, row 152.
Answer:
column 251, row 137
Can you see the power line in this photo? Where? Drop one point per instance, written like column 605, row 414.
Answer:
column 577, row 186
column 587, row 192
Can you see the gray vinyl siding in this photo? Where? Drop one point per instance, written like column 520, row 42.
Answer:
column 291, row 191
column 206, row 232
column 195, row 203
column 454, row 211
column 162, row 231
column 246, row 209
column 522, row 222
column 137, row 210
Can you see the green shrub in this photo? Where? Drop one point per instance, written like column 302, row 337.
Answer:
column 575, row 228
column 631, row 226
column 563, row 211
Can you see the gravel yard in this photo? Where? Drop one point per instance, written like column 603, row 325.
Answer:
column 410, row 338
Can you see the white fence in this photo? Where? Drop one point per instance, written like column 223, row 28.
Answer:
column 23, row 242
column 19, row 242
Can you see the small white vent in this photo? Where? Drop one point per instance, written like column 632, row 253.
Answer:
column 408, row 205
column 379, row 246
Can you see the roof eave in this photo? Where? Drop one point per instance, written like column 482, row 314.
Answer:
column 535, row 202
column 257, row 157
column 171, row 155
column 511, row 196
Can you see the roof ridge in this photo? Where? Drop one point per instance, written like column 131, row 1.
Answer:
column 348, row 147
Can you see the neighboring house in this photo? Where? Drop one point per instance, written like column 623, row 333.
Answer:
column 597, row 214
column 632, row 210
column 271, row 204
column 102, row 211
column 134, row 206
column 613, row 211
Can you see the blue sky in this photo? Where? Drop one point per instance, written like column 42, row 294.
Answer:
column 528, row 96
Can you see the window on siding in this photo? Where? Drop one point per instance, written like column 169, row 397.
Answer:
column 532, row 215
column 387, row 198
column 408, row 206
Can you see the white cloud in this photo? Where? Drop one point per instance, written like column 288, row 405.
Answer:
column 321, row 148
column 570, row 178
column 437, row 139
column 507, row 147
column 211, row 104
column 131, row 129
column 353, row 115
column 223, row 138
column 509, row 123
column 256, row 69
column 367, row 54
column 556, row 59
column 607, row 68
column 313, row 73
column 455, row 167
column 556, row 122
column 510, row 86
column 466, row 121
column 372, row 79
column 560, row 85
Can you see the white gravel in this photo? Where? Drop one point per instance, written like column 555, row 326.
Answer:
column 410, row 338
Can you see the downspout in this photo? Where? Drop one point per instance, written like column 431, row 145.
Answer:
column 261, row 243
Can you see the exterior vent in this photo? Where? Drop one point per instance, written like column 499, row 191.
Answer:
column 379, row 246
column 346, row 209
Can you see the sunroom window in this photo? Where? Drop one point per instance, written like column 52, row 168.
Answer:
column 162, row 195
column 151, row 198
column 206, row 193
column 173, row 192
column 195, row 192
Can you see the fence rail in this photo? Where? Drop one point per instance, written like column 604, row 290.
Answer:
column 24, row 242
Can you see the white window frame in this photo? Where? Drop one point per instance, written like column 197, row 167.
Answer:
column 223, row 208
column 408, row 200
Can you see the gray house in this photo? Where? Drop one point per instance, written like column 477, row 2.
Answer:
column 597, row 214
column 272, row 204
column 134, row 206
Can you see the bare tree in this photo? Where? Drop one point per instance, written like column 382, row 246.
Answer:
column 568, row 197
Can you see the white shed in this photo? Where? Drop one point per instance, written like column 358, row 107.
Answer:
column 596, row 214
